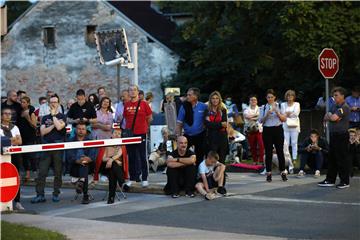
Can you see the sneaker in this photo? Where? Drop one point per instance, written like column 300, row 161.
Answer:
column 263, row 172
column 79, row 187
column 301, row 174
column 221, row 190
column 104, row 178
column 317, row 174
column 190, row 194
column 164, row 172
column 342, row 185
column 268, row 177
column 326, row 183
column 176, row 195
column 237, row 159
column 55, row 198
column 291, row 170
column 284, row 177
column 38, row 199
column 210, row 196
column 85, row 199
column 144, row 184
column 18, row 206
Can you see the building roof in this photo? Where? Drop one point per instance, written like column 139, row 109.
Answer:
column 141, row 12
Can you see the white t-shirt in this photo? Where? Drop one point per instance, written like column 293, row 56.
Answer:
column 203, row 169
column 295, row 111
column 14, row 132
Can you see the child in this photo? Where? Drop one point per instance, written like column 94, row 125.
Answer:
column 211, row 175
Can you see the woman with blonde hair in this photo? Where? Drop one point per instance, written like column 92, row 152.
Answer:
column 291, row 126
column 216, row 123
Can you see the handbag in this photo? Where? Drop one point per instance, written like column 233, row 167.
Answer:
column 126, row 133
column 292, row 123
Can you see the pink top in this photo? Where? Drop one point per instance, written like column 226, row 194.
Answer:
column 103, row 118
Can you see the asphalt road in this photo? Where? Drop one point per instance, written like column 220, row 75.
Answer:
column 297, row 209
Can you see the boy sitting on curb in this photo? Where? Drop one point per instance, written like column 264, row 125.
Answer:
column 211, row 174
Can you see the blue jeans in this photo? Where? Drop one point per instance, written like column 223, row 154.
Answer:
column 317, row 159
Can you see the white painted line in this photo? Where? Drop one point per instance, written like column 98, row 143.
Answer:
column 275, row 199
column 8, row 182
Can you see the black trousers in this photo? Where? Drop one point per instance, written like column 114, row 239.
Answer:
column 29, row 159
column 17, row 161
column 199, row 143
column 80, row 171
column 274, row 136
column 338, row 160
column 116, row 175
column 218, row 143
column 137, row 160
column 181, row 178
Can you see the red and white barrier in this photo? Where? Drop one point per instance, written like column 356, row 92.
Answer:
column 71, row 145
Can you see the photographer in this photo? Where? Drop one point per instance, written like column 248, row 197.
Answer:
column 312, row 153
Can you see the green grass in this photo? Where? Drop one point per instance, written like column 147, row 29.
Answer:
column 10, row 231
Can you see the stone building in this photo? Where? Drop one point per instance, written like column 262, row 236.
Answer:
column 51, row 46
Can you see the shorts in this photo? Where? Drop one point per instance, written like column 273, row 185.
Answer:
column 211, row 182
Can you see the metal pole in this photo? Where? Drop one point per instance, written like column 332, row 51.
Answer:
column 118, row 80
column 135, row 61
column 327, row 108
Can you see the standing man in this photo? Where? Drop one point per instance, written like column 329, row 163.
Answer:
column 81, row 111
column 101, row 92
column 137, row 152
column 191, row 118
column 12, row 103
column 338, row 119
column 354, row 103
column 119, row 113
column 52, row 130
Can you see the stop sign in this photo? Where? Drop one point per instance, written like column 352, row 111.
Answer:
column 9, row 182
column 328, row 63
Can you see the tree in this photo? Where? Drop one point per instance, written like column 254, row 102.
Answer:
column 240, row 48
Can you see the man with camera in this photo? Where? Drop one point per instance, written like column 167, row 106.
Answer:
column 312, row 153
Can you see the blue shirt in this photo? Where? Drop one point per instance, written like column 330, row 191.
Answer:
column 54, row 135
column 354, row 102
column 198, row 125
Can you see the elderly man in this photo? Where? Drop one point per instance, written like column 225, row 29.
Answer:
column 191, row 118
column 80, row 161
column 338, row 119
column 181, row 170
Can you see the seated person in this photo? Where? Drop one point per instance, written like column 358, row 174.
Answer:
column 181, row 170
column 80, row 161
column 158, row 157
column 211, row 175
column 354, row 150
column 312, row 152
column 112, row 167
column 236, row 141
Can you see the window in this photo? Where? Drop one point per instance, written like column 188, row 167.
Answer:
column 90, row 35
column 49, row 37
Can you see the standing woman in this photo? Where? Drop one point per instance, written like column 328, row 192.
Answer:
column 291, row 110
column 27, row 125
column 273, row 134
column 216, row 123
column 254, row 130
column 102, row 127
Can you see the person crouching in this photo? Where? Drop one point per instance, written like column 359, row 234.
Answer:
column 211, row 175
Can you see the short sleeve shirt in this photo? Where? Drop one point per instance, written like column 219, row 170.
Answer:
column 55, row 135
column 203, row 169
column 14, row 132
column 198, row 125
column 141, row 125
column 175, row 154
column 341, row 126
column 76, row 111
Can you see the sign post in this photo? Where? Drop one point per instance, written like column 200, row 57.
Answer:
column 328, row 64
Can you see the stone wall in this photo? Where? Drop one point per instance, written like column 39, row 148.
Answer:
column 28, row 65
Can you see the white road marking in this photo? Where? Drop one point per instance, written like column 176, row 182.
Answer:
column 276, row 199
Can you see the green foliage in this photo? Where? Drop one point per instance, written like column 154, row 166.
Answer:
column 10, row 231
column 246, row 47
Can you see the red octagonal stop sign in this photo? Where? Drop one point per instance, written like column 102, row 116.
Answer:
column 328, row 63
column 9, row 182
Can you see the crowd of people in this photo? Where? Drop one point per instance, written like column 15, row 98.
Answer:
column 202, row 138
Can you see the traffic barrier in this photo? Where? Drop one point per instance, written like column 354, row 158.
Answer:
column 8, row 151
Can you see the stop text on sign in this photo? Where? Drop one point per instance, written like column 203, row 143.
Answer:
column 328, row 63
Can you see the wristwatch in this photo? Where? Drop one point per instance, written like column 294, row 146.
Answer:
column 178, row 159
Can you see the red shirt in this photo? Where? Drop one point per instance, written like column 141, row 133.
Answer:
column 141, row 125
